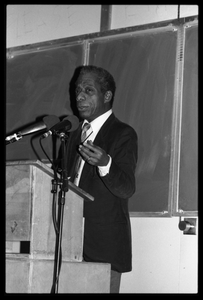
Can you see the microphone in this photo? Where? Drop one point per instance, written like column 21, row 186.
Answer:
column 69, row 124
column 48, row 122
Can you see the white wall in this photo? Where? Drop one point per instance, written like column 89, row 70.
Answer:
column 133, row 15
column 164, row 260
column 28, row 24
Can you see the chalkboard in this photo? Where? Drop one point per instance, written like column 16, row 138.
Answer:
column 38, row 85
column 189, row 134
column 143, row 66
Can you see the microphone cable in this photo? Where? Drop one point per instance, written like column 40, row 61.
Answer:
column 54, row 187
column 54, row 190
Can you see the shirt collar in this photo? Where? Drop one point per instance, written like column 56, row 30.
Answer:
column 97, row 123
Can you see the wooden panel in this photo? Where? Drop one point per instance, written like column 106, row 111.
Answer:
column 43, row 233
column 18, row 202
column 17, row 274
column 32, row 182
column 74, row 277
column 24, row 275
column 12, row 247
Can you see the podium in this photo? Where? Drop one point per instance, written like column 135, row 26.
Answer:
column 29, row 222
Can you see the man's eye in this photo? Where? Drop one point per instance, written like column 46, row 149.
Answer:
column 88, row 90
column 77, row 91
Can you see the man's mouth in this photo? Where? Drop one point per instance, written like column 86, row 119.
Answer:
column 82, row 107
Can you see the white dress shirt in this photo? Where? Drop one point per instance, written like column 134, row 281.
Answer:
column 96, row 124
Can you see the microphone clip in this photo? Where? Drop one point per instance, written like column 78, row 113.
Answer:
column 62, row 135
column 13, row 138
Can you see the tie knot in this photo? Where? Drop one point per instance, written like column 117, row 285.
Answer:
column 85, row 127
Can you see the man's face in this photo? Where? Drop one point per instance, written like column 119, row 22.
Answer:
column 90, row 100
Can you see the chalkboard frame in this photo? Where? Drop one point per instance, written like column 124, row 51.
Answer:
column 51, row 44
column 177, row 24
column 178, row 119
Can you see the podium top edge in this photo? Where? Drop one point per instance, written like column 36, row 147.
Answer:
column 50, row 172
column 36, row 163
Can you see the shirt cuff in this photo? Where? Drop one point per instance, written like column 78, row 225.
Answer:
column 103, row 171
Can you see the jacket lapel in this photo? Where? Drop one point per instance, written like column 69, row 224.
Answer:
column 72, row 146
column 101, row 139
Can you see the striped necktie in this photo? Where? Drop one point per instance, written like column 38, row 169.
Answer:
column 85, row 128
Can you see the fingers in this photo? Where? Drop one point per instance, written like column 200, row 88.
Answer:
column 91, row 153
column 94, row 155
column 88, row 146
column 88, row 151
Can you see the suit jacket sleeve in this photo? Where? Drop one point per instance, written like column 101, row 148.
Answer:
column 121, row 177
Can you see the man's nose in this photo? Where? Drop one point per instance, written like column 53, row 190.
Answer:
column 80, row 97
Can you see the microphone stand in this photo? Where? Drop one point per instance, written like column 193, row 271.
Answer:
column 62, row 195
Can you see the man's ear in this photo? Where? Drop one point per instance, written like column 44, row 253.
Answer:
column 108, row 96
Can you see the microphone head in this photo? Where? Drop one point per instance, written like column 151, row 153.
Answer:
column 74, row 122
column 46, row 123
column 68, row 124
column 50, row 121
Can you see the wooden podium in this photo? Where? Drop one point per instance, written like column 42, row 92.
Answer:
column 29, row 221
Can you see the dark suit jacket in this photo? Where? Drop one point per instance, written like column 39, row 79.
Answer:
column 107, row 232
